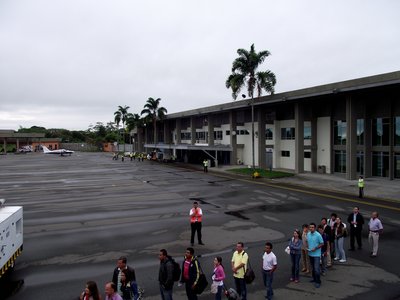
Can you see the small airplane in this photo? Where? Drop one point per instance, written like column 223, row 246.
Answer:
column 61, row 152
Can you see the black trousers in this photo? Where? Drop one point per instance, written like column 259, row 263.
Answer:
column 360, row 192
column 190, row 292
column 355, row 234
column 196, row 226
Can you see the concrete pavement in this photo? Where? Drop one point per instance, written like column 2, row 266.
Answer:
column 375, row 187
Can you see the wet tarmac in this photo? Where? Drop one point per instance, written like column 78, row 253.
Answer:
column 84, row 211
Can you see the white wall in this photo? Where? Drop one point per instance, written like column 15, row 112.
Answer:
column 287, row 145
column 324, row 143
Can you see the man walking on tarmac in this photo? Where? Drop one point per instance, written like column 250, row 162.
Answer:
column 196, row 215
column 360, row 187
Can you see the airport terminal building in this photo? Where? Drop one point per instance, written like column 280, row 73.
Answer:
column 350, row 128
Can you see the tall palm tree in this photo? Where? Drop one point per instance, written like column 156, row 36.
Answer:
column 121, row 115
column 154, row 112
column 244, row 74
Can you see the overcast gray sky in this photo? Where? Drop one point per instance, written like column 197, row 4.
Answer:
column 70, row 63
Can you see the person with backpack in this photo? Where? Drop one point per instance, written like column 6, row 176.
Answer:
column 190, row 273
column 166, row 275
column 129, row 287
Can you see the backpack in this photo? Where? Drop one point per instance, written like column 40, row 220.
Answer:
column 176, row 273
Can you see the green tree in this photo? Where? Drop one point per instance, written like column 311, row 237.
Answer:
column 245, row 74
column 153, row 111
column 133, row 121
column 121, row 115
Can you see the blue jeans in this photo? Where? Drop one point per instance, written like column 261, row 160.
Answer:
column 135, row 290
column 339, row 248
column 165, row 294
column 295, row 265
column 241, row 287
column 268, row 276
column 316, row 269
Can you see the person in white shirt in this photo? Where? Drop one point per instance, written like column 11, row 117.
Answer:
column 375, row 229
column 269, row 266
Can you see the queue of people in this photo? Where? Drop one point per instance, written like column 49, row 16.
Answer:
column 316, row 248
column 318, row 244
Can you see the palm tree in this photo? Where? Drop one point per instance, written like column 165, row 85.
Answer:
column 154, row 112
column 244, row 74
column 121, row 115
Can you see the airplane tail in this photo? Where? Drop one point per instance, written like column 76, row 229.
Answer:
column 45, row 149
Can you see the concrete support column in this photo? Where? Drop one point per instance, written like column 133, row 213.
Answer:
column 314, row 144
column 192, row 131
column 391, row 142
column 210, row 119
column 351, row 142
column 140, row 139
column 17, row 144
column 367, row 143
column 178, row 129
column 299, row 141
column 167, row 133
column 233, row 137
column 262, row 156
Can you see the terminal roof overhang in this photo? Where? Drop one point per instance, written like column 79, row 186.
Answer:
column 380, row 80
column 190, row 147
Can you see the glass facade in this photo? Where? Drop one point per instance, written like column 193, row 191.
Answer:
column 396, row 165
column 340, row 161
column 397, row 131
column 380, row 131
column 269, row 134
column 288, row 133
column 360, row 162
column 360, row 131
column 380, row 164
column 339, row 132
column 307, row 133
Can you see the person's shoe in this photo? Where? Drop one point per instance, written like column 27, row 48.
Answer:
column 373, row 255
column 323, row 273
column 291, row 279
column 296, row 281
column 201, row 243
column 317, row 285
column 342, row 261
column 336, row 258
column 304, row 269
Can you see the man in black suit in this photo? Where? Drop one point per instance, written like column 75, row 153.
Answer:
column 356, row 221
column 121, row 264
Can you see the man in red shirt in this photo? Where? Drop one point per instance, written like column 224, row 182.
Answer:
column 196, row 215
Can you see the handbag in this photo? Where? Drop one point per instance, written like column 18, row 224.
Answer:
column 249, row 274
column 202, row 282
column 214, row 287
column 231, row 294
column 287, row 250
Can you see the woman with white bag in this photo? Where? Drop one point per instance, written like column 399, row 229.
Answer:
column 218, row 278
column 295, row 244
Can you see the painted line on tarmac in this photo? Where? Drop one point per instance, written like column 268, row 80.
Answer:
column 313, row 193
